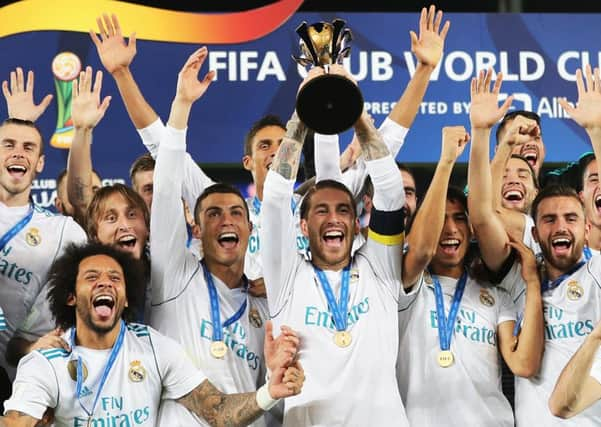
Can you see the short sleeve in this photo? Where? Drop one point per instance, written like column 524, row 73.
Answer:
column 35, row 388
column 507, row 308
column 178, row 373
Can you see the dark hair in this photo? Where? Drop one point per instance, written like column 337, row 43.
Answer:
column 512, row 115
column 63, row 278
column 26, row 123
column 263, row 122
column 553, row 191
column 98, row 205
column 456, row 194
column 220, row 188
column 583, row 162
column 144, row 163
column 530, row 168
column 326, row 183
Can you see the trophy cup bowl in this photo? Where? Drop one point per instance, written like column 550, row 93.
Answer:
column 331, row 103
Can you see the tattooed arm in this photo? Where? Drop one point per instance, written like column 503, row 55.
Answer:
column 287, row 159
column 241, row 409
column 372, row 144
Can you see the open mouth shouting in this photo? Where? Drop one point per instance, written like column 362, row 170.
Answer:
column 333, row 238
column 104, row 305
column 530, row 153
column 561, row 245
column 513, row 195
column 449, row 246
column 127, row 242
column 597, row 202
column 16, row 171
column 228, row 240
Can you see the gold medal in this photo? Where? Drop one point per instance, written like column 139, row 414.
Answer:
column 218, row 349
column 342, row 338
column 445, row 358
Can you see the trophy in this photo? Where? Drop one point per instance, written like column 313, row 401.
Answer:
column 330, row 103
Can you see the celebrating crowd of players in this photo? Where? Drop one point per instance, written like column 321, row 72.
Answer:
column 404, row 318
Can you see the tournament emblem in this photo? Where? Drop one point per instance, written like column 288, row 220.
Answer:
column 486, row 298
column 255, row 318
column 72, row 369
column 33, row 237
column 354, row 275
column 575, row 291
column 136, row 373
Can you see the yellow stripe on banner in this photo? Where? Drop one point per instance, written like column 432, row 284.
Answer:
column 395, row 239
column 148, row 23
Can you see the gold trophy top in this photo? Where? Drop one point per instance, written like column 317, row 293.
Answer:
column 323, row 43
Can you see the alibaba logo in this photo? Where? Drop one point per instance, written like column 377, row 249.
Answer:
column 149, row 23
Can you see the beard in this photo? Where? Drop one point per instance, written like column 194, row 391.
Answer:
column 85, row 314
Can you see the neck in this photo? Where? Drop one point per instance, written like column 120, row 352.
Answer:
column 86, row 337
column 259, row 190
column 14, row 200
column 230, row 275
column 594, row 238
column 454, row 272
column 322, row 265
column 553, row 272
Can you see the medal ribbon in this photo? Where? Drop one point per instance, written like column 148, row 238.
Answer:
column 12, row 232
column 339, row 310
column 214, row 298
column 587, row 253
column 109, row 364
column 446, row 325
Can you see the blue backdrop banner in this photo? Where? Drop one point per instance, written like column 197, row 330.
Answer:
column 537, row 53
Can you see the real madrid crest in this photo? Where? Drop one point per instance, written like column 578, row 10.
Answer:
column 136, row 373
column 486, row 298
column 33, row 237
column 354, row 275
column 575, row 291
column 72, row 369
column 254, row 317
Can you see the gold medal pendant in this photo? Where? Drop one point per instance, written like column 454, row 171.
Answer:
column 445, row 358
column 218, row 349
column 342, row 339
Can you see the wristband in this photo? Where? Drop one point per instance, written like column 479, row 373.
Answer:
column 264, row 399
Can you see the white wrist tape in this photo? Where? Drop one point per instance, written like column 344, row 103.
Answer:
column 264, row 399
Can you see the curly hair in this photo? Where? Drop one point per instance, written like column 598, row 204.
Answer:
column 63, row 277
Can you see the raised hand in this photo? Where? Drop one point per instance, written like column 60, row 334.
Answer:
column 519, row 131
column 86, row 109
column 114, row 53
column 280, row 352
column 527, row 260
column 428, row 46
column 588, row 111
column 484, row 109
column 189, row 87
column 19, row 97
column 454, row 141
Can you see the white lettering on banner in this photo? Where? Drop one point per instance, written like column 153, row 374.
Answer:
column 573, row 59
column 467, row 67
column 239, row 65
column 375, row 65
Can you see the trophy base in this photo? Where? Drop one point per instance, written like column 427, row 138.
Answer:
column 329, row 104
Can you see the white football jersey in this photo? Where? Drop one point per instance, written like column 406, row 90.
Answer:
column 149, row 368
column 433, row 394
column 181, row 302
column 571, row 310
column 26, row 260
column 354, row 385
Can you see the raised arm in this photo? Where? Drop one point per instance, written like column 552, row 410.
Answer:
column 169, row 255
column 518, row 131
column 523, row 353
column 87, row 110
column 484, row 113
column 17, row 419
column 429, row 219
column 116, row 56
column 19, row 97
column 576, row 388
column 427, row 48
column 588, row 111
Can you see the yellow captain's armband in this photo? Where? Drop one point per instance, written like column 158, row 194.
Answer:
column 387, row 227
column 396, row 239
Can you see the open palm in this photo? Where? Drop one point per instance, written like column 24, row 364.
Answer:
column 428, row 47
column 588, row 111
column 484, row 109
column 114, row 53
